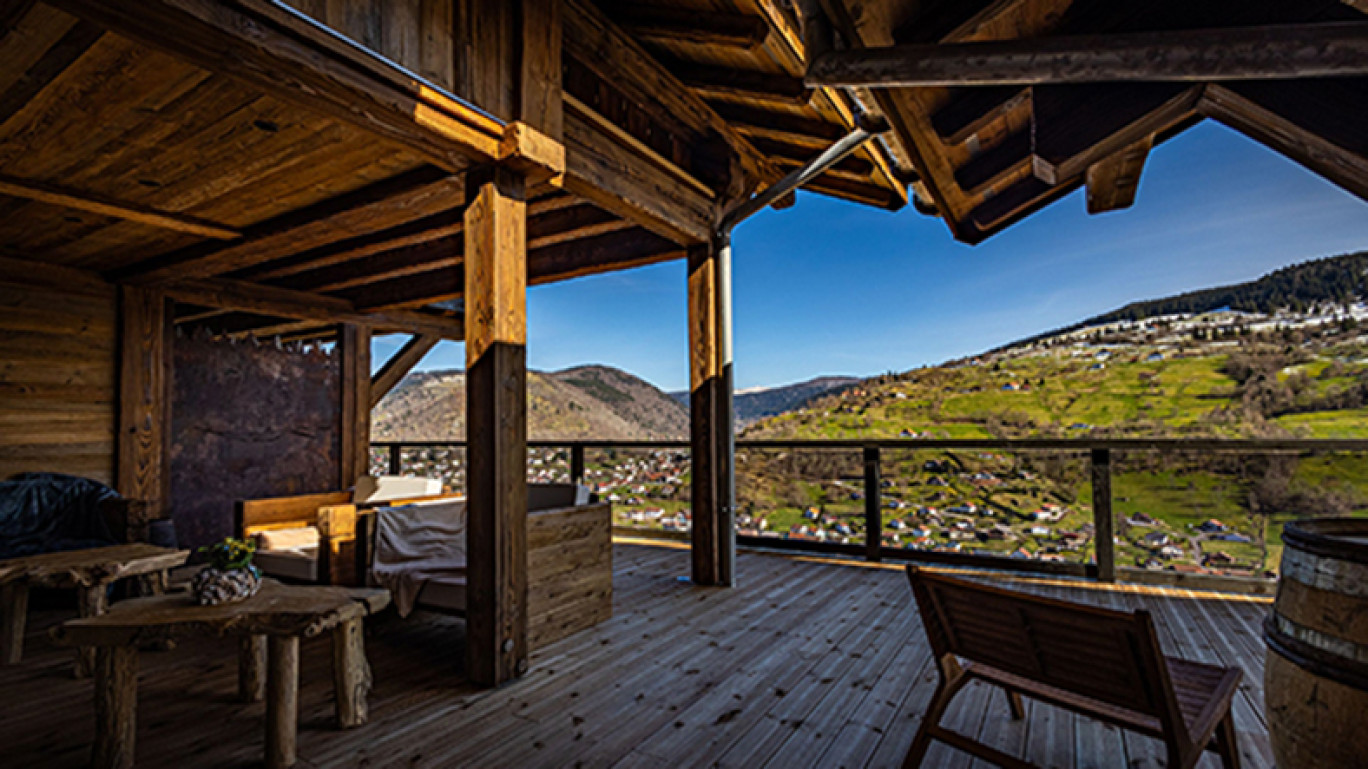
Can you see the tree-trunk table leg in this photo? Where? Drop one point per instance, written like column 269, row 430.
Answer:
column 116, row 707
column 13, row 619
column 282, row 701
column 252, row 668
column 351, row 674
column 92, row 602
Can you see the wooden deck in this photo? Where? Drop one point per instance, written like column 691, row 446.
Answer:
column 805, row 664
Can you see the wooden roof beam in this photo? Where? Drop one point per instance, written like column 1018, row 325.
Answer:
column 726, row 82
column 287, row 55
column 676, row 25
column 397, row 367
column 1318, row 124
column 1113, row 181
column 782, row 126
column 269, row 300
column 1290, row 51
column 352, row 213
column 57, row 195
column 1074, row 127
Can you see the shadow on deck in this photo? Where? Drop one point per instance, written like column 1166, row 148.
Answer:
column 805, row 664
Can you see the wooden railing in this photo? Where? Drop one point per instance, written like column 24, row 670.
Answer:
column 1098, row 452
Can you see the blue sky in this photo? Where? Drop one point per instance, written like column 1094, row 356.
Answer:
column 828, row 287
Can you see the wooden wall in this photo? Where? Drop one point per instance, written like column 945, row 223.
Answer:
column 57, row 377
column 248, row 421
column 416, row 34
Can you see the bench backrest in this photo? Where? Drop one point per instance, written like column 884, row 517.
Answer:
column 1105, row 655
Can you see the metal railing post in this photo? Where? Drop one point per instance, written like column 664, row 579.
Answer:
column 873, row 505
column 577, row 463
column 1104, row 543
column 396, row 459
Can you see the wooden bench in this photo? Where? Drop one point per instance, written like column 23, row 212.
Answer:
column 1097, row 662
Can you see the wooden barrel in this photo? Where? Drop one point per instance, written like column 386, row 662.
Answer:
column 1316, row 673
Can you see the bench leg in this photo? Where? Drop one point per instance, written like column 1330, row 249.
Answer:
column 1014, row 702
column 92, row 601
column 252, row 668
column 1225, row 743
column 13, row 619
column 116, row 707
column 945, row 691
column 282, row 701
column 351, row 674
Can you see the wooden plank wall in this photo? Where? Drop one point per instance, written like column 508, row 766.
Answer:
column 415, row 34
column 57, row 378
column 570, row 571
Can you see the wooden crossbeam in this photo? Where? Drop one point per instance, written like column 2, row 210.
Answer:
column 352, row 213
column 65, row 197
column 1113, row 181
column 791, row 155
column 399, row 364
column 1289, row 51
column 677, row 25
column 992, row 164
column 970, row 110
column 278, row 302
column 711, row 81
column 256, row 41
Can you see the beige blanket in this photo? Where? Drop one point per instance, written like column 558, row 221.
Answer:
column 418, row 543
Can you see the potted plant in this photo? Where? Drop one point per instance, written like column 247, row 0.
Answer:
column 230, row 575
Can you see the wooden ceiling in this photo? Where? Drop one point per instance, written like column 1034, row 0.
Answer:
column 989, row 155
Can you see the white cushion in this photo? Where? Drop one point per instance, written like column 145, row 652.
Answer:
column 303, row 537
column 370, row 489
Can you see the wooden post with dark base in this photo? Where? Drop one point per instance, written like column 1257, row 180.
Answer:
column 709, row 422
column 496, row 425
column 1103, row 525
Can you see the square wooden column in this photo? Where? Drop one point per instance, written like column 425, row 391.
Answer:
column 144, row 416
column 496, row 425
column 710, row 422
column 354, row 342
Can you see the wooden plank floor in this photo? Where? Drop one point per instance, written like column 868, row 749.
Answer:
column 805, row 664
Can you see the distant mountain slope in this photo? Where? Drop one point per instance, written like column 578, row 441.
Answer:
column 586, row 402
column 1338, row 279
column 762, row 402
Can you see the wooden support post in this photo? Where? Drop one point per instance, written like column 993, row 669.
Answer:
column 709, row 386
column 355, row 344
column 396, row 459
column 577, row 463
column 351, row 674
column 252, row 668
column 496, row 425
column 1103, row 525
column 91, row 601
column 873, row 505
column 144, row 397
column 13, row 620
column 282, row 701
column 116, row 707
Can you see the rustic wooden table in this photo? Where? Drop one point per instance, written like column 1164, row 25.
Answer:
column 269, row 625
column 89, row 572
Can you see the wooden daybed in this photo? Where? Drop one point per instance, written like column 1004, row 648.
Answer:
column 569, row 541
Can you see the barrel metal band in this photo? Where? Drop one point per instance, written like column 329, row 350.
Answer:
column 1326, row 656
column 1333, row 575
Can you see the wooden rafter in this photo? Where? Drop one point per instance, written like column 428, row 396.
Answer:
column 784, row 126
column 1241, row 53
column 278, row 302
column 289, row 56
column 1113, row 181
column 1315, row 124
column 1074, row 127
column 352, row 213
column 399, row 365
column 675, row 25
column 57, row 195
column 724, row 82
